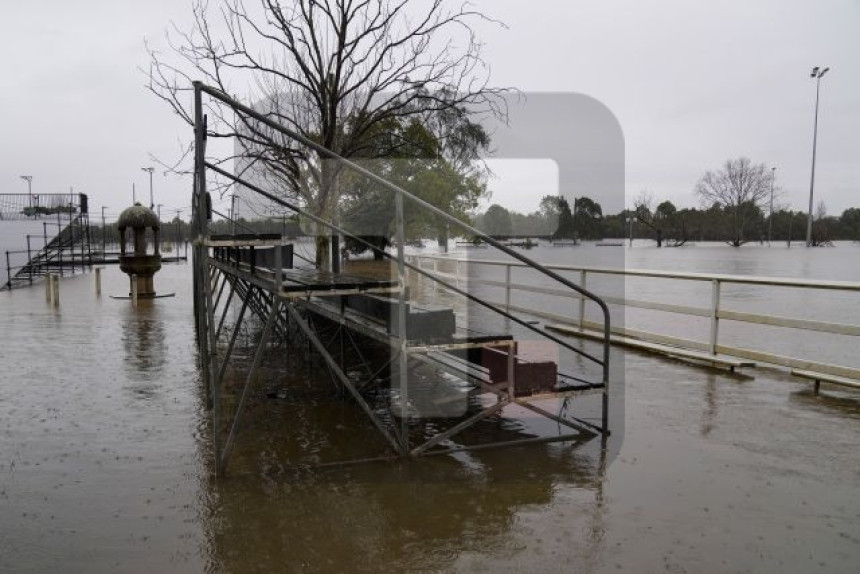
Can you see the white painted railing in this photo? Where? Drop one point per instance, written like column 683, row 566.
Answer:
column 715, row 313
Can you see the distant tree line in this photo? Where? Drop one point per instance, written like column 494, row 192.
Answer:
column 736, row 210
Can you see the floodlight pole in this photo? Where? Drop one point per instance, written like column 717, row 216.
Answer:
column 817, row 73
column 103, row 233
column 151, row 200
column 29, row 180
column 770, row 219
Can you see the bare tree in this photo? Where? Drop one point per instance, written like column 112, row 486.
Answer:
column 819, row 226
column 335, row 71
column 741, row 189
column 661, row 220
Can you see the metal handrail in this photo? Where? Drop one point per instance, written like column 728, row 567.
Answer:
column 400, row 192
column 692, row 276
column 715, row 313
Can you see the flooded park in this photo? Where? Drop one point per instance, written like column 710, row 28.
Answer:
column 107, row 458
column 327, row 286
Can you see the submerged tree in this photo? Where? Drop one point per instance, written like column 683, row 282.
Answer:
column 566, row 223
column 588, row 218
column 741, row 189
column 664, row 221
column 334, row 71
column 549, row 210
column 497, row 221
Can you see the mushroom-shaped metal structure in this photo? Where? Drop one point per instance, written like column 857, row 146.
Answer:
column 138, row 264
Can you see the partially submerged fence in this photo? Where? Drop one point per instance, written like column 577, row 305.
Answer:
column 715, row 313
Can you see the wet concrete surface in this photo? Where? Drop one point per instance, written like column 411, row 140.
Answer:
column 105, row 465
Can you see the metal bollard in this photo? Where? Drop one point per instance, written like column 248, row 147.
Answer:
column 55, row 291
column 99, row 281
column 48, row 287
column 134, row 290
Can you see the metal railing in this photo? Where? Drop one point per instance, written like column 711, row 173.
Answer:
column 715, row 313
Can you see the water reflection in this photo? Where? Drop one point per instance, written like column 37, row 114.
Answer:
column 142, row 333
column 419, row 515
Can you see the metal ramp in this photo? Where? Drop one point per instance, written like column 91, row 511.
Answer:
column 318, row 308
column 64, row 248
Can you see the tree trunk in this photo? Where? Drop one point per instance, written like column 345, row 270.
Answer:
column 323, row 248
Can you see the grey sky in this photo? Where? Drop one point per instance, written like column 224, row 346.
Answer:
column 691, row 84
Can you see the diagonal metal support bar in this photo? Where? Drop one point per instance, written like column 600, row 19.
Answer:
column 575, row 438
column 459, row 427
column 226, row 308
column 221, row 288
column 229, row 352
column 332, row 364
column 249, row 383
column 560, row 420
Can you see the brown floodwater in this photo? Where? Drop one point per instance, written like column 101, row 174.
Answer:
column 106, row 464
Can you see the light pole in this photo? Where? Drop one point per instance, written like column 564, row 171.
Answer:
column 29, row 180
column 770, row 219
column 817, row 73
column 630, row 220
column 233, row 199
column 103, row 232
column 150, row 170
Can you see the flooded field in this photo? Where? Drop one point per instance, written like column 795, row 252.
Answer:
column 105, row 459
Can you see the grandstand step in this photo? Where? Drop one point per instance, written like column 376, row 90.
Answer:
column 423, row 322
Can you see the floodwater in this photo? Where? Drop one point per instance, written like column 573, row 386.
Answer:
column 106, row 457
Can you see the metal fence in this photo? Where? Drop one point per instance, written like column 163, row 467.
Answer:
column 715, row 313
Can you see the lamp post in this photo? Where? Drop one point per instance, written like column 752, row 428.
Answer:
column 630, row 220
column 158, row 212
column 29, row 180
column 770, row 219
column 103, row 232
column 150, row 170
column 817, row 73
column 233, row 199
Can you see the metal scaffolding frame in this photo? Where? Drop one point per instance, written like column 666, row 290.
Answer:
column 296, row 310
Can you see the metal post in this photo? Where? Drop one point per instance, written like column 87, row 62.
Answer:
column 29, row 262
column 817, row 75
column 151, row 200
column 59, row 240
column 71, row 239
column 335, row 253
column 770, row 219
column 8, row 272
column 103, row 233
column 401, row 328
column 134, row 290
column 99, row 281
column 205, row 311
column 508, row 288
column 48, row 282
column 278, row 267
column 715, row 315
column 55, row 292
column 81, row 237
column 582, row 280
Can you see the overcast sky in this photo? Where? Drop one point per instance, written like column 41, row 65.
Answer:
column 690, row 83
